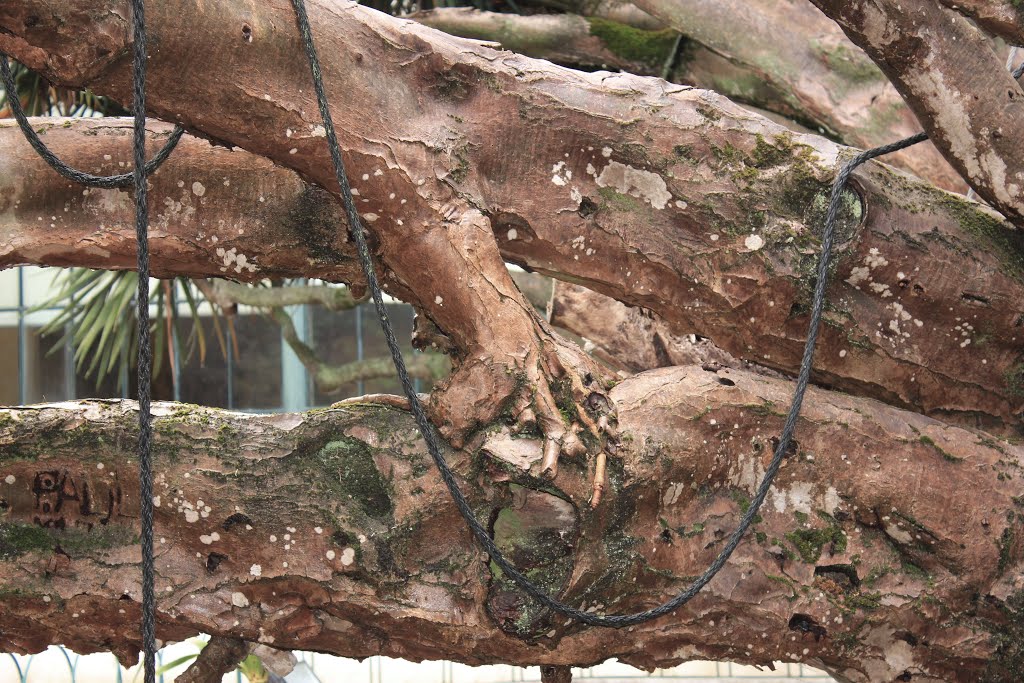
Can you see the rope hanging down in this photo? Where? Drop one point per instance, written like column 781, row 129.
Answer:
column 136, row 179
column 429, row 435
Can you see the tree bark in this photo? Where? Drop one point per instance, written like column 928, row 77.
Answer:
column 731, row 259
column 814, row 75
column 330, row 531
column 958, row 87
column 788, row 58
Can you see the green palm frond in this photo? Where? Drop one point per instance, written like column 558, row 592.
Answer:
column 39, row 98
column 97, row 315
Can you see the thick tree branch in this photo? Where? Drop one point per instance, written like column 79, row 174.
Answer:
column 914, row 251
column 959, row 88
column 787, row 58
column 328, row 530
column 1001, row 18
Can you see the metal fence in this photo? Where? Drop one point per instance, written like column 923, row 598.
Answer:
column 59, row 665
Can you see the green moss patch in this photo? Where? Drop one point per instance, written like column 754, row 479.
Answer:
column 637, row 45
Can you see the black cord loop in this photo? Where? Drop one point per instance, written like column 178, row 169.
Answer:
column 113, row 181
column 430, row 436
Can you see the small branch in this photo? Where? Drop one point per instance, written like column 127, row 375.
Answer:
column 426, row 366
column 226, row 293
column 217, row 658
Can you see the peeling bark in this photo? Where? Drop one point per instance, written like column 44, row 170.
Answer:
column 330, row 531
column 730, row 258
column 786, row 57
column 998, row 17
column 958, row 87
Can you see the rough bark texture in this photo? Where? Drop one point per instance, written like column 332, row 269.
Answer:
column 786, row 57
column 562, row 38
column 730, row 256
column 330, row 531
column 782, row 57
column 958, row 87
column 999, row 17
column 890, row 547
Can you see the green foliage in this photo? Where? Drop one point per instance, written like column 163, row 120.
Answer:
column 39, row 98
column 97, row 316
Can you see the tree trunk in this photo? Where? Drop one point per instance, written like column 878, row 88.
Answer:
column 330, row 531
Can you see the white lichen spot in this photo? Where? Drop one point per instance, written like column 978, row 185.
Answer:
column 366, row 176
column 330, row 554
column 156, row 501
column 558, row 176
column 369, row 217
column 256, row 570
column 626, row 179
column 753, row 242
column 9, row 479
column 348, row 556
column 288, row 132
column 293, row 150
column 714, row 237
column 191, row 516
column 273, row 538
column 606, row 152
column 318, row 530
column 512, row 234
column 198, row 189
column 319, row 131
column 239, row 599
column 206, row 540
column 842, row 353
column 681, row 204
column 378, row 172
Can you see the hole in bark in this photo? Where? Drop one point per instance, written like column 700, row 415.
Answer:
column 975, row 299
column 587, row 208
column 1020, row 322
column 908, row 638
column 237, row 518
column 213, row 561
column 31, row 21
column 794, row 446
column 905, row 676
column 918, row 290
column 845, row 575
column 247, row 33
column 799, row 308
column 806, row 624
column 588, row 379
column 725, row 382
column 3, row 504
column 903, row 284
column 666, row 536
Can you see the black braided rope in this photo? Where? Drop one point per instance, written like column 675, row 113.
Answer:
column 145, row 358
column 113, row 181
column 429, row 435
column 136, row 179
